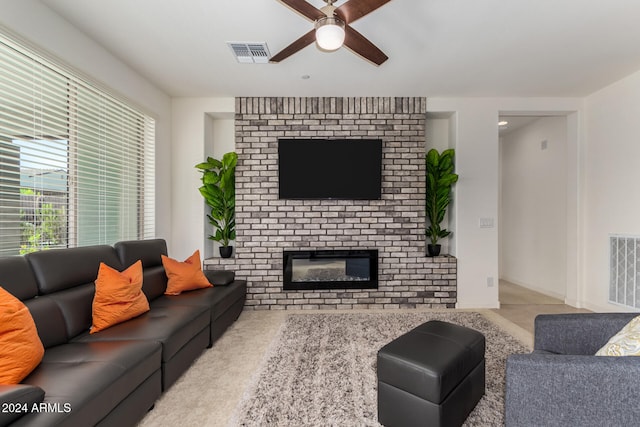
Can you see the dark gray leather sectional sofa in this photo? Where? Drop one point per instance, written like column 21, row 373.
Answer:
column 112, row 377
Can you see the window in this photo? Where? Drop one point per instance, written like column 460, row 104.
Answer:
column 76, row 163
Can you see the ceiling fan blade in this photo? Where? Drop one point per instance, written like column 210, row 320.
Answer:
column 360, row 45
column 294, row 47
column 356, row 9
column 305, row 9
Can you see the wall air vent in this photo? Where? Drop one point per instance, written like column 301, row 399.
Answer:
column 624, row 271
column 250, row 53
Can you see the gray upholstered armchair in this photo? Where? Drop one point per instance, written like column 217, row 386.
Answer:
column 562, row 383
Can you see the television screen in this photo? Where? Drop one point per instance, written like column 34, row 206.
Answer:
column 344, row 169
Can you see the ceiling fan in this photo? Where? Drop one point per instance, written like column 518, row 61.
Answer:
column 332, row 28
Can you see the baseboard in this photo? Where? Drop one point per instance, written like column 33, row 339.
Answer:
column 575, row 303
column 608, row 308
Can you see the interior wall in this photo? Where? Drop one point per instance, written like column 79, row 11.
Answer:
column 39, row 25
column 193, row 136
column 438, row 133
column 475, row 122
column 533, row 210
column 224, row 136
column 612, row 202
column 209, row 144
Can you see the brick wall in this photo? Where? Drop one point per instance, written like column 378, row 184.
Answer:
column 394, row 225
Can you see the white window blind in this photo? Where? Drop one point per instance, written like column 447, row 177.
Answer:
column 76, row 163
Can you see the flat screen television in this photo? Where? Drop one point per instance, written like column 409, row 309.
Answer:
column 344, row 169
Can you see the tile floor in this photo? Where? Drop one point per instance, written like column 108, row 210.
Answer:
column 521, row 305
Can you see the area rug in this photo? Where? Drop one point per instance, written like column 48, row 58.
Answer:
column 321, row 369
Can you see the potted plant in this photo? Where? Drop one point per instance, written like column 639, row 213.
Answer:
column 219, row 191
column 440, row 179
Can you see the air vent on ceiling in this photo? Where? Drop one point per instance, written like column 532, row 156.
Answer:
column 247, row 53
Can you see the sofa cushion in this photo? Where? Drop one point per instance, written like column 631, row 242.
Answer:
column 147, row 251
column 75, row 306
column 24, row 395
column 20, row 347
column 154, row 283
column 173, row 327
column 118, row 296
column 60, row 269
column 218, row 298
column 49, row 321
column 87, row 380
column 66, row 277
column 184, row 276
column 17, row 277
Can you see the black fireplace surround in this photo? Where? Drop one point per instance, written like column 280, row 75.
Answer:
column 330, row 269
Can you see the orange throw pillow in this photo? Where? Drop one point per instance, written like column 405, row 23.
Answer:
column 118, row 297
column 184, row 276
column 20, row 347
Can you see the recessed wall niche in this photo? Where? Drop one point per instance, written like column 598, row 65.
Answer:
column 394, row 225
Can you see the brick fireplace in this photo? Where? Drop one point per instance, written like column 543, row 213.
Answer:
column 393, row 225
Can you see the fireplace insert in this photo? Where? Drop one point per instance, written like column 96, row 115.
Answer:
column 330, row 269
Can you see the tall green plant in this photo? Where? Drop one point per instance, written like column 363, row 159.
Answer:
column 440, row 179
column 219, row 191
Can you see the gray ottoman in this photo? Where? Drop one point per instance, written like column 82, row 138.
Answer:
column 431, row 376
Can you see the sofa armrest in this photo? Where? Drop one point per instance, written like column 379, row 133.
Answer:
column 220, row 277
column 557, row 390
column 17, row 400
column 577, row 333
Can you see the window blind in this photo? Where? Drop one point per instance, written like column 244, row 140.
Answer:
column 76, row 163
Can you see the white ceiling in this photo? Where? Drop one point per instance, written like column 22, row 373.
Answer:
column 435, row 47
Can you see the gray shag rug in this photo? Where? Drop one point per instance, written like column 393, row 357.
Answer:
column 321, row 369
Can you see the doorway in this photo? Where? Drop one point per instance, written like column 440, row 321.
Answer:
column 533, row 226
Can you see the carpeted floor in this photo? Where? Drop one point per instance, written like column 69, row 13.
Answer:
column 321, row 369
column 234, row 369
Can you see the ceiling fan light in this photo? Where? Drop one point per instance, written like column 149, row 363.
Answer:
column 329, row 33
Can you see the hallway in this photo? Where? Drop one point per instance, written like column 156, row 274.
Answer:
column 521, row 305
